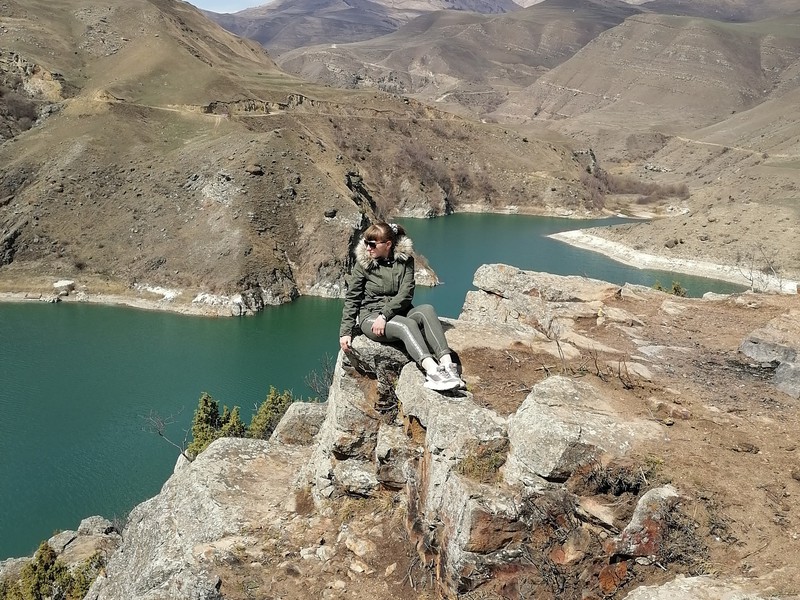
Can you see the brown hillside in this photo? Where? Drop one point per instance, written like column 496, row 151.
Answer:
column 674, row 72
column 726, row 10
column 461, row 60
column 285, row 25
column 171, row 153
column 680, row 101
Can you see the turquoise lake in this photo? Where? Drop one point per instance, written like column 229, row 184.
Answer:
column 76, row 381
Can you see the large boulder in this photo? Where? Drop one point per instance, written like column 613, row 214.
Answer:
column 171, row 540
column 696, row 588
column 507, row 281
column 300, row 424
column 563, row 424
column 543, row 308
column 778, row 342
column 787, row 379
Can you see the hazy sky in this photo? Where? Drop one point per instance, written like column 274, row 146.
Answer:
column 227, row 6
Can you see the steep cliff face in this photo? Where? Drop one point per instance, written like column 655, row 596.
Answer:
column 570, row 466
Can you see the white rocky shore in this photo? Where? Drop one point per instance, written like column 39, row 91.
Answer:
column 201, row 303
column 756, row 280
column 146, row 297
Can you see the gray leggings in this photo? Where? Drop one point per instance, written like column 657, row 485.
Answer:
column 420, row 331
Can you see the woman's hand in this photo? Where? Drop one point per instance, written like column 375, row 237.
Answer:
column 345, row 341
column 379, row 326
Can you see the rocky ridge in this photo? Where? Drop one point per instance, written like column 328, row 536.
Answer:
column 568, row 469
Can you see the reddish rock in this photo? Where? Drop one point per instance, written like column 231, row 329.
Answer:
column 645, row 533
column 612, row 577
column 573, row 549
column 491, row 532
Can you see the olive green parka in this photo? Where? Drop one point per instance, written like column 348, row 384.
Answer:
column 379, row 286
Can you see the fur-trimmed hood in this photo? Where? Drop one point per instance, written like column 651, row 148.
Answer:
column 403, row 250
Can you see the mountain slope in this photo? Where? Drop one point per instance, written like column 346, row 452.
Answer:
column 725, row 10
column 288, row 24
column 462, row 60
column 169, row 153
column 673, row 73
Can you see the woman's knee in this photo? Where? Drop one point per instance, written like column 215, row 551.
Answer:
column 426, row 309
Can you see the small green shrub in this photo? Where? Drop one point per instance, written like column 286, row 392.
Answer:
column 205, row 424
column 269, row 414
column 676, row 290
column 47, row 577
column 209, row 424
column 232, row 425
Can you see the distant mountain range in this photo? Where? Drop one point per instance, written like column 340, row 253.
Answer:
column 286, row 25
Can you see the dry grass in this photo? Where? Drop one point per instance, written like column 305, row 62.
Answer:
column 483, row 460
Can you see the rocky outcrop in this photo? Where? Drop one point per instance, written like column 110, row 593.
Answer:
column 695, row 588
column 7, row 242
column 95, row 537
column 564, row 424
column 173, row 541
column 778, row 344
column 300, row 424
column 545, row 499
column 543, row 310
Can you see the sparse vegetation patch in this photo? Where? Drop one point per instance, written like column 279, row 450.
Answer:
column 599, row 183
column 676, row 289
column 483, row 460
column 210, row 424
column 47, row 577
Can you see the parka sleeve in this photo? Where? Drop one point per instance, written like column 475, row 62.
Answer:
column 352, row 300
column 400, row 303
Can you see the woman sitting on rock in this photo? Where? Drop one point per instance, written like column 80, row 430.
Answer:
column 378, row 302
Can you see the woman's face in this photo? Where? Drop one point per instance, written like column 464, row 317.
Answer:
column 378, row 250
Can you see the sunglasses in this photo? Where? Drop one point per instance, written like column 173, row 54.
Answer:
column 372, row 244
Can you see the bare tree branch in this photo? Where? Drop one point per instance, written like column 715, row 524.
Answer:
column 156, row 423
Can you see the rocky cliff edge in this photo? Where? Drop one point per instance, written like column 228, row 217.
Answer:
column 612, row 442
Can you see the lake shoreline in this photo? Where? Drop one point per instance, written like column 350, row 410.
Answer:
column 133, row 300
column 171, row 300
column 629, row 256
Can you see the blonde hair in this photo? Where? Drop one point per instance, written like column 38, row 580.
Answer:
column 384, row 232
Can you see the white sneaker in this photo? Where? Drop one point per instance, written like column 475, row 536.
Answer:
column 440, row 380
column 452, row 370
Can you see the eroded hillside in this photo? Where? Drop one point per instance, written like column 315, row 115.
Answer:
column 463, row 62
column 168, row 154
column 668, row 95
column 285, row 25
